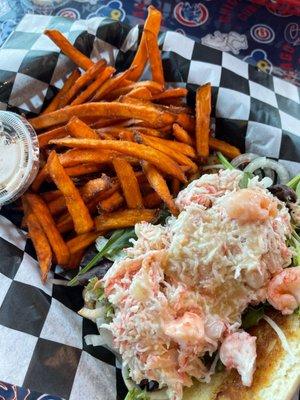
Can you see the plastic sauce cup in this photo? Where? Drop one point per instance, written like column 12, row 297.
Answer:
column 19, row 156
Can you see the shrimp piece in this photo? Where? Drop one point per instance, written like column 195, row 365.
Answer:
column 284, row 290
column 239, row 351
column 189, row 329
column 248, row 206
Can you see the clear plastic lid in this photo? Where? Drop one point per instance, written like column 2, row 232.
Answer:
column 19, row 156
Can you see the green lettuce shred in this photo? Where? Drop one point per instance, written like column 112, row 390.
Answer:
column 137, row 394
column 252, row 316
column 119, row 240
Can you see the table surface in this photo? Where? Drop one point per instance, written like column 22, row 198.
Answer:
column 261, row 36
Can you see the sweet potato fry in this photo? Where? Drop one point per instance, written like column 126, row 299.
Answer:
column 111, row 84
column 181, row 135
column 107, row 136
column 140, row 93
column 114, row 131
column 76, row 163
column 103, row 122
column 152, row 200
column 75, row 259
column 55, row 102
column 78, row 156
column 124, row 219
column 170, row 94
column 180, row 158
column 87, row 93
column 80, row 214
column 203, row 110
column 176, row 146
column 87, row 191
column 126, row 135
column 154, row 57
column 175, row 186
column 171, row 101
column 227, row 149
column 148, row 131
column 40, row 178
column 65, row 222
column 93, row 203
column 69, row 50
column 39, row 240
column 82, row 81
column 81, row 242
column 45, row 219
column 153, row 116
column 142, row 152
column 152, row 24
column 129, row 183
column 50, row 196
column 152, row 86
column 82, row 169
column 57, row 206
column 79, row 129
column 160, row 186
column 56, row 133
column 112, row 203
column 186, row 121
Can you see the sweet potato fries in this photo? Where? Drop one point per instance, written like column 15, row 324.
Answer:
column 114, row 149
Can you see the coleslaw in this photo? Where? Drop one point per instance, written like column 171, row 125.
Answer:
column 179, row 292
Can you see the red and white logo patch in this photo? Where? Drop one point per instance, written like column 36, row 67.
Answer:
column 262, row 33
column 191, row 15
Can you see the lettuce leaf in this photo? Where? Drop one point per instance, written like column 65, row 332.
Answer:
column 119, row 240
column 137, row 394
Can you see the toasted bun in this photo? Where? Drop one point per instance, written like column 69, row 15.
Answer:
column 277, row 376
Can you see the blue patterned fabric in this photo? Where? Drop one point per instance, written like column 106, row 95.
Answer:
column 261, row 36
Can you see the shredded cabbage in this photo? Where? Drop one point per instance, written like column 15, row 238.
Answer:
column 280, row 334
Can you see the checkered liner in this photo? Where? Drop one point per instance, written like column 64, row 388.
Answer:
column 40, row 332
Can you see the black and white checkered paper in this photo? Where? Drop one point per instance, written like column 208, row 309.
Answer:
column 41, row 336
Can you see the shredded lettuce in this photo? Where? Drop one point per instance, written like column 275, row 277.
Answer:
column 252, row 316
column 119, row 240
column 294, row 242
column 294, row 183
column 137, row 394
column 244, row 181
column 109, row 311
column 224, row 161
